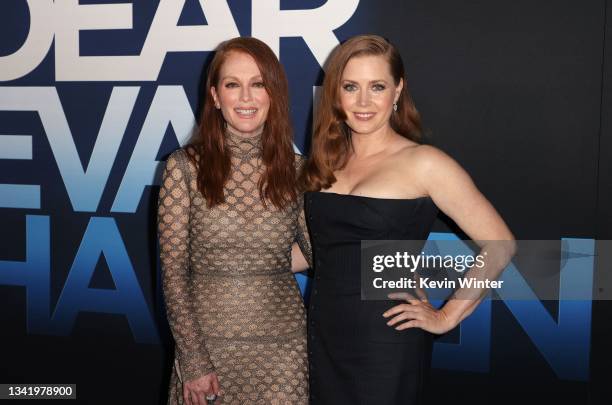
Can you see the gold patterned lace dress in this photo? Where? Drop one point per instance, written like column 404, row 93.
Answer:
column 233, row 304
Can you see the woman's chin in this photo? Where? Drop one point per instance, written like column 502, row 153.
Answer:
column 246, row 129
column 362, row 129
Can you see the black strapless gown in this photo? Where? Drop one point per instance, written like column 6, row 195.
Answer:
column 355, row 358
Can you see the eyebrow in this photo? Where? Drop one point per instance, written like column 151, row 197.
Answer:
column 371, row 81
column 235, row 78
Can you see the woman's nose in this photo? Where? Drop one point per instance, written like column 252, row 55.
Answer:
column 245, row 93
column 364, row 98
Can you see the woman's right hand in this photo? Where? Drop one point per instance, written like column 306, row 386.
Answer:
column 195, row 391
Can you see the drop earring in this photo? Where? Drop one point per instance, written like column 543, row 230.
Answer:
column 395, row 107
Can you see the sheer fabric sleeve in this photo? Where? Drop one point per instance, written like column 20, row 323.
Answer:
column 302, row 237
column 173, row 232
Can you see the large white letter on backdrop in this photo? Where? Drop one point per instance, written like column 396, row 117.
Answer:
column 170, row 106
column 37, row 44
column 316, row 26
column 164, row 36
column 84, row 185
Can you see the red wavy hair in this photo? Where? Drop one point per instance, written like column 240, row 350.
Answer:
column 278, row 182
column 331, row 140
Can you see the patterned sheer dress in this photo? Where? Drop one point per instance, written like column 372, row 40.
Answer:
column 233, row 304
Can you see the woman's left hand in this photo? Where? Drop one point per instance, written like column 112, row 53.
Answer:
column 418, row 314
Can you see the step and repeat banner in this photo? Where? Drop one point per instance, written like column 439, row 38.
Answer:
column 94, row 95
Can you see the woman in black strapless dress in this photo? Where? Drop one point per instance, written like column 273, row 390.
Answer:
column 368, row 178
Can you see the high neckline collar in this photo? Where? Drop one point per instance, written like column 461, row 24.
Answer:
column 244, row 145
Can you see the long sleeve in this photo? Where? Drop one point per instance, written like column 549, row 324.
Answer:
column 302, row 237
column 173, row 231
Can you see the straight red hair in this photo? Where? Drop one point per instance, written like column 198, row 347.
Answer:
column 278, row 182
column 331, row 140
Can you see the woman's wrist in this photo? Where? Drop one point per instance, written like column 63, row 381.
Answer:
column 452, row 315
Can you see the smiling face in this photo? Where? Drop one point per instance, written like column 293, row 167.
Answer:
column 367, row 93
column 241, row 94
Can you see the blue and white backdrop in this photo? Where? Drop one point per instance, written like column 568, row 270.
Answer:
column 95, row 94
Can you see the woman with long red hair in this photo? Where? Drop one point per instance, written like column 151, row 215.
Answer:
column 368, row 177
column 228, row 214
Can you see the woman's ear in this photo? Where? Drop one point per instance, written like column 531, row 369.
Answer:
column 213, row 93
column 398, row 90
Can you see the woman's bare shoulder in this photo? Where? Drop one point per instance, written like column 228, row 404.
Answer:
column 425, row 157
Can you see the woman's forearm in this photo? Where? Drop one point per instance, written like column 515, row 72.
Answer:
column 464, row 301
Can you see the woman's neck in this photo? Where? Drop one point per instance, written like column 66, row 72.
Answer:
column 366, row 145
